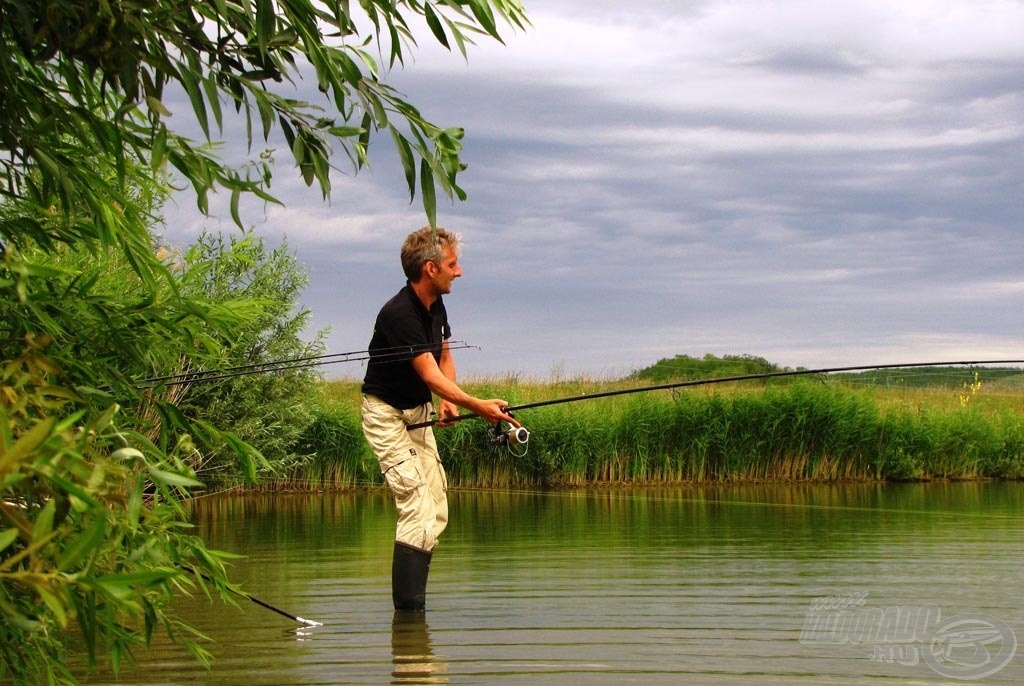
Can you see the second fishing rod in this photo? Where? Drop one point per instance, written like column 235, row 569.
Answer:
column 513, row 436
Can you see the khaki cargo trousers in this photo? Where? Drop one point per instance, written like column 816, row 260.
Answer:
column 412, row 470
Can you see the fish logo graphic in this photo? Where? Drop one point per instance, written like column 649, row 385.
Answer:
column 970, row 646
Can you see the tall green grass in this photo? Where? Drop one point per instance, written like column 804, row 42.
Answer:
column 331, row 452
column 804, row 431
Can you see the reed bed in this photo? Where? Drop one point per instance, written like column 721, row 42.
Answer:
column 331, row 452
column 798, row 430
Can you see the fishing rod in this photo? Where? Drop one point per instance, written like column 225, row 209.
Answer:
column 717, row 380
column 398, row 353
column 261, row 603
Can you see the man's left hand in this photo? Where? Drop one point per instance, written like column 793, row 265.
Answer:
column 445, row 412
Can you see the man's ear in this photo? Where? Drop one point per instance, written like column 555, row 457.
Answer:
column 429, row 269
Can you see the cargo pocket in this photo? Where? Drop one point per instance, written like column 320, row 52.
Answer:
column 403, row 479
column 444, row 479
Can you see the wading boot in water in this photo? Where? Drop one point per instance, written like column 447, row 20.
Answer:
column 409, row 569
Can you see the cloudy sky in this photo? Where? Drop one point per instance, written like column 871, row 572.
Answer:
column 816, row 183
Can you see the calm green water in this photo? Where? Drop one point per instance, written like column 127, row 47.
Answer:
column 694, row 586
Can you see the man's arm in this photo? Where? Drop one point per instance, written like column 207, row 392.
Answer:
column 440, row 384
column 446, row 410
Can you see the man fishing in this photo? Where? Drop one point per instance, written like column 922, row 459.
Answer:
column 410, row 360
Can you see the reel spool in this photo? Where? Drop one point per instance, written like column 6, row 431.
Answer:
column 512, row 436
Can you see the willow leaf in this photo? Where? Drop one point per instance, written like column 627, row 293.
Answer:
column 408, row 163
column 7, row 537
column 435, row 25
column 83, row 545
column 428, row 192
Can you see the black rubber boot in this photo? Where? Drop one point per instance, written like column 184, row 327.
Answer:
column 409, row 569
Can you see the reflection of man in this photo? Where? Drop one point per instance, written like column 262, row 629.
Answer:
column 413, row 659
column 409, row 360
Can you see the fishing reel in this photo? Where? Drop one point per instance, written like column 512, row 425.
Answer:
column 509, row 437
column 512, row 436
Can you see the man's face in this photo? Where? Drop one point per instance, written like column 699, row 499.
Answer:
column 447, row 271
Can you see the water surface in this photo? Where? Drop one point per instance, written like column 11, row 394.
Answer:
column 655, row 586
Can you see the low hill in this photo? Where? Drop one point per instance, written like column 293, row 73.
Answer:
column 684, row 367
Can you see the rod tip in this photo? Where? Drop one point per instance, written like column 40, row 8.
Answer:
column 308, row 622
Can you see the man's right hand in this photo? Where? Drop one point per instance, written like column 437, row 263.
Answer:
column 496, row 410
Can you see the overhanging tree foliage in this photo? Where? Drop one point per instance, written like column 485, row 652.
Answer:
column 93, row 470
column 92, row 75
column 91, row 533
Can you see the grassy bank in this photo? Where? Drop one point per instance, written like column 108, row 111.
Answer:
column 796, row 429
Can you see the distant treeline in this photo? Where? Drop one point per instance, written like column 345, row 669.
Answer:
column 938, row 377
column 685, row 367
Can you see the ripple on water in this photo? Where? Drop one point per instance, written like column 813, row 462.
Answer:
column 663, row 587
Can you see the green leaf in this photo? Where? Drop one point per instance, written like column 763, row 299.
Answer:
column 349, row 69
column 376, row 106
column 249, row 458
column 126, row 454
column 213, row 99
column 482, row 12
column 429, row 195
column 396, row 46
column 84, row 544
column 55, row 604
column 371, row 64
column 134, row 509
column 236, row 195
column 38, row 270
column 14, row 617
column 299, row 150
column 191, row 85
column 435, row 25
column 408, row 163
column 174, row 478
column 345, row 131
column 7, row 537
column 362, row 145
column 309, row 171
column 26, row 445
column 44, row 522
column 157, row 106
column 459, row 192
column 460, row 40
column 265, row 20
column 266, row 110
column 287, row 131
column 158, row 155
column 122, row 586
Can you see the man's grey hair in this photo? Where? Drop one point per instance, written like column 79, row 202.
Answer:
column 426, row 245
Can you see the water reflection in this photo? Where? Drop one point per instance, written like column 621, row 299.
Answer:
column 703, row 585
column 413, row 659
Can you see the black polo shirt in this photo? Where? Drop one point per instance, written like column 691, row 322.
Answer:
column 403, row 330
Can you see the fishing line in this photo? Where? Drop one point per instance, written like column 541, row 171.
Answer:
column 722, row 379
column 396, row 354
